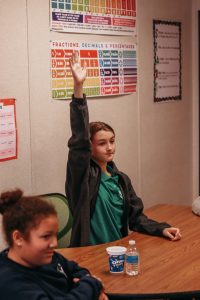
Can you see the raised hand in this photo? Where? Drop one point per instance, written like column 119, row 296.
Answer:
column 78, row 72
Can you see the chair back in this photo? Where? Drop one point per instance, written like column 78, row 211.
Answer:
column 3, row 244
column 64, row 217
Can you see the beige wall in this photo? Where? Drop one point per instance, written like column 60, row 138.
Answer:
column 165, row 128
column 154, row 140
column 195, row 96
column 14, row 82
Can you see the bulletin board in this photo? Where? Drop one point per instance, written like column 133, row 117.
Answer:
column 167, row 60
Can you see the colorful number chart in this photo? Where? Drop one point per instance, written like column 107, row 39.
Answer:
column 111, row 68
column 116, row 17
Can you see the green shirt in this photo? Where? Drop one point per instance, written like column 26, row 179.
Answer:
column 106, row 222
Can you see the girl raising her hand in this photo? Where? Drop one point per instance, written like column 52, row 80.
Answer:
column 102, row 199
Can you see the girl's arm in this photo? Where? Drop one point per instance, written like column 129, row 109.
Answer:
column 82, row 279
column 138, row 221
column 78, row 165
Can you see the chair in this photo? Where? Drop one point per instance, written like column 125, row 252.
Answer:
column 3, row 244
column 64, row 217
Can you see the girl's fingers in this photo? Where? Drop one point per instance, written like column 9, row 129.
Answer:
column 84, row 64
column 70, row 62
column 76, row 57
column 73, row 57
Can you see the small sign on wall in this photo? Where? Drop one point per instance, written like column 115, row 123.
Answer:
column 167, row 60
column 8, row 130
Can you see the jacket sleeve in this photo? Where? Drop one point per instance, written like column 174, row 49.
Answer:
column 138, row 221
column 79, row 152
column 87, row 287
column 71, row 267
column 23, row 285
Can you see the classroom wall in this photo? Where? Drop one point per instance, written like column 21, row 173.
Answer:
column 14, row 82
column 154, row 140
column 195, row 95
column 165, row 129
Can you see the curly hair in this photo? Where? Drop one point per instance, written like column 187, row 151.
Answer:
column 22, row 213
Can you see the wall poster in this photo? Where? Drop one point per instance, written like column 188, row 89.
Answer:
column 111, row 68
column 167, row 60
column 8, row 130
column 115, row 17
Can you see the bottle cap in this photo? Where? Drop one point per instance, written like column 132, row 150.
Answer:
column 131, row 242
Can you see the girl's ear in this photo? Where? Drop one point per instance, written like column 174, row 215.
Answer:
column 17, row 238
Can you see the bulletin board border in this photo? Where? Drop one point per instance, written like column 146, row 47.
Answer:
column 175, row 97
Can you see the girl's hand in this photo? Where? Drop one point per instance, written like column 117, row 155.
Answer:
column 102, row 296
column 78, row 72
column 172, row 233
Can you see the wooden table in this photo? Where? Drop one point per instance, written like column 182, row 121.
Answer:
column 168, row 268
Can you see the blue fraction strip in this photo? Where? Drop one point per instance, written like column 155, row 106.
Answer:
column 61, row 4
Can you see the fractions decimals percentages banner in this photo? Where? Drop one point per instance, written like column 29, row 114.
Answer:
column 116, row 17
column 111, row 68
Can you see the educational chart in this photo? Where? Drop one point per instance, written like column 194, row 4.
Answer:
column 111, row 68
column 167, row 60
column 8, row 131
column 116, row 17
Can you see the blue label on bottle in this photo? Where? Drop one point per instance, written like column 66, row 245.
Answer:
column 130, row 259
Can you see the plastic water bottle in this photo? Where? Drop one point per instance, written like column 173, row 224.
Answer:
column 132, row 259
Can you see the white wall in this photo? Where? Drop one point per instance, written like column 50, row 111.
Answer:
column 165, row 129
column 14, row 82
column 154, row 139
column 195, row 96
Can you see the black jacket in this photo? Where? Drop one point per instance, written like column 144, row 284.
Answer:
column 83, row 179
column 49, row 282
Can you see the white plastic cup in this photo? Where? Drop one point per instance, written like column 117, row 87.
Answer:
column 116, row 258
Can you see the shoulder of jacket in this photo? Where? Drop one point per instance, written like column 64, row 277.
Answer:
column 118, row 172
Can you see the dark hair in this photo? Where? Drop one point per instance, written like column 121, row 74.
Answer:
column 22, row 213
column 97, row 126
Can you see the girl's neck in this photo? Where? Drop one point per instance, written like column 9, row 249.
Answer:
column 104, row 169
column 14, row 256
